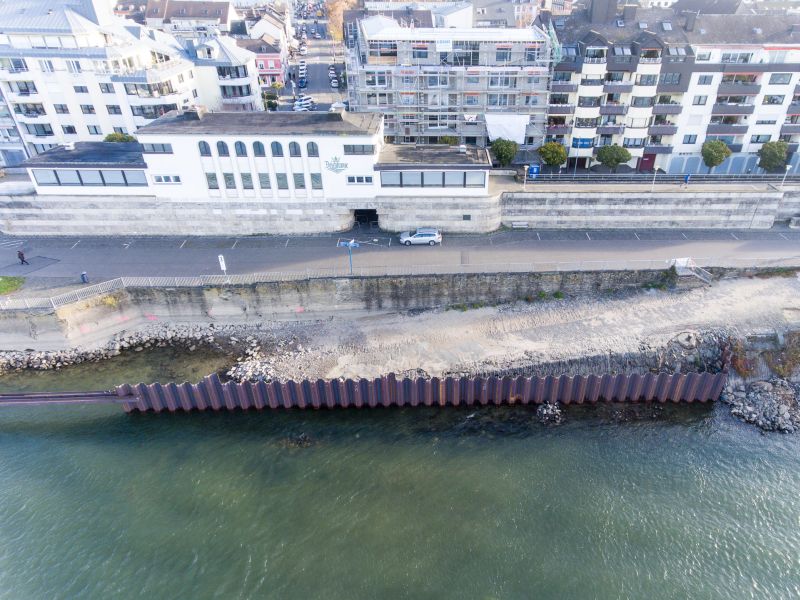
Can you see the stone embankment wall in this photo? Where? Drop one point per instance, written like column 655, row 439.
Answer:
column 95, row 321
column 28, row 214
column 591, row 210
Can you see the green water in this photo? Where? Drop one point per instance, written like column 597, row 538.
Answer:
column 683, row 502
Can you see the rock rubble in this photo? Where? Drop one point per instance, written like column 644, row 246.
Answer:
column 771, row 405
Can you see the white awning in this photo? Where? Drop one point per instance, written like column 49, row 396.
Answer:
column 507, row 126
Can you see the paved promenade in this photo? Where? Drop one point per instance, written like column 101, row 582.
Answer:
column 58, row 262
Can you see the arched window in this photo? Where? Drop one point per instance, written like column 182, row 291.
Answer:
column 240, row 149
column 222, row 149
column 258, row 149
column 312, row 149
column 276, row 149
column 205, row 149
column 294, row 149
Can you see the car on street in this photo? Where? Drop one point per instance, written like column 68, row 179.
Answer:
column 302, row 83
column 334, row 83
column 423, row 235
column 317, row 36
column 303, row 50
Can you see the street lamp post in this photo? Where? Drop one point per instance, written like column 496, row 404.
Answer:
column 653, row 185
column 524, row 176
column 788, row 168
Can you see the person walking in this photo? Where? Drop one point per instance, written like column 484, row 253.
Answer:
column 21, row 257
column 686, row 180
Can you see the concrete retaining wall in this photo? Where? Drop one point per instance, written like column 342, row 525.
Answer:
column 732, row 210
column 790, row 206
column 94, row 322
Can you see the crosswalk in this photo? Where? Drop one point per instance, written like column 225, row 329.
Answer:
column 11, row 243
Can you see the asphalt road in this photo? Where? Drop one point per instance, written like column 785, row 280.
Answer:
column 105, row 258
column 320, row 56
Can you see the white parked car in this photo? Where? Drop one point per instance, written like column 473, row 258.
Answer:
column 423, row 235
column 334, row 83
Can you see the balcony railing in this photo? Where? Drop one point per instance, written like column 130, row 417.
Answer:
column 613, row 109
column 561, row 109
column 610, row 129
column 559, row 129
column 738, row 88
column 790, row 128
column 657, row 149
column 650, row 59
column 613, row 87
column 726, row 129
column 672, row 108
column 563, row 87
column 662, row 129
column 733, row 109
column 594, row 59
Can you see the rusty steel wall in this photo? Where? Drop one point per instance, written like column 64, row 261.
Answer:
column 213, row 394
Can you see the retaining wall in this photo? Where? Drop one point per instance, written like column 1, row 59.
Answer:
column 95, row 321
column 212, row 394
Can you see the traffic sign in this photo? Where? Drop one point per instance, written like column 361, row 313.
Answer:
column 533, row 171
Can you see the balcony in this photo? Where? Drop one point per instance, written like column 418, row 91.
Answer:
column 594, row 60
column 790, row 128
column 650, row 59
column 726, row 129
column 663, row 129
column 591, row 82
column 738, row 88
column 558, row 129
column 671, row 88
column 667, row 109
column 657, row 149
column 561, row 109
column 613, row 109
column 794, row 108
column 792, row 148
column 733, row 109
column 562, row 87
column 611, row 87
column 735, row 147
column 610, row 129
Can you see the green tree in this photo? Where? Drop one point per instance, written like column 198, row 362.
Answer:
column 504, row 151
column 714, row 153
column 119, row 137
column 450, row 140
column 773, row 155
column 612, row 156
column 553, row 154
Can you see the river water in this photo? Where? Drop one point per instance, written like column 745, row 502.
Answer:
column 618, row 502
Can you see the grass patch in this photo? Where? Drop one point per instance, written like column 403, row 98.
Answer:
column 777, row 272
column 740, row 362
column 558, row 295
column 785, row 361
column 10, row 284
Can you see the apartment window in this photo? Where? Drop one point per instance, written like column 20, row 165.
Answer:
column 74, row 66
column 772, row 99
column 584, row 123
column 703, row 57
column 647, row 80
column 501, row 100
column 437, row 81
column 180, row 77
column 46, row 66
column 277, row 150
column 642, row 101
column 247, row 181
column 699, row 100
column 107, row 88
column 767, row 122
column 80, row 89
column 669, row 78
column 359, row 149
column 503, row 55
column 39, row 129
column 211, row 180
column 471, row 99
column 737, row 57
column 504, row 80
column 299, row 181
column 61, row 109
column 120, row 130
column 312, row 149
column 419, row 53
column 205, row 149
column 316, row 181
column 282, row 180
column 166, row 178
column 222, row 149
column 230, row 181
column 759, row 139
column 263, row 181
column 359, row 179
column 633, row 142
column 376, row 79
column 113, row 109
column 95, row 130
column 87, row 109
column 690, row 139
column 780, row 78
column 294, row 149
column 531, row 54
column 69, row 129
column 472, row 80
column 705, row 79
column 258, row 149
column 157, row 148
column 562, row 76
column 240, row 149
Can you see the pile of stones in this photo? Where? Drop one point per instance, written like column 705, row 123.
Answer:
column 771, row 405
column 549, row 414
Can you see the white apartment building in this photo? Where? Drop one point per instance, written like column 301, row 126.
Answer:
column 227, row 75
column 468, row 83
column 190, row 18
column 72, row 71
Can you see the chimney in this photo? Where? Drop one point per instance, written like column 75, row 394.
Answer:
column 602, row 11
column 629, row 13
column 691, row 17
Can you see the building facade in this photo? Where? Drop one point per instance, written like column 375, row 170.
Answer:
column 434, row 83
column 227, row 75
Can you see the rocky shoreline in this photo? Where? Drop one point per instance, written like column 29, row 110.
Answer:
column 771, row 405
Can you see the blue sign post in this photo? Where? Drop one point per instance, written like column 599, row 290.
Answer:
column 349, row 245
column 533, row 171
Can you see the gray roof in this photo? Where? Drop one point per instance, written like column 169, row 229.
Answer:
column 419, row 18
column 91, row 155
column 258, row 46
column 744, row 29
column 53, row 15
column 397, row 156
column 260, row 123
column 577, row 26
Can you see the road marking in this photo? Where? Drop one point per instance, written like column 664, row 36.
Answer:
column 287, row 243
column 783, row 236
column 12, row 243
column 733, row 235
column 684, row 236
column 637, row 236
column 588, row 237
column 75, row 244
column 182, row 244
column 126, row 246
column 538, row 237
column 234, row 244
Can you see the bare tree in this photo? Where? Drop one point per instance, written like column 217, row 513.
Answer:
column 335, row 10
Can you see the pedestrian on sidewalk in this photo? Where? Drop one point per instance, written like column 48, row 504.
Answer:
column 686, row 180
column 21, row 257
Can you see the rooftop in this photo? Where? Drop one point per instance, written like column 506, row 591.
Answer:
column 259, row 46
column 187, row 9
column 19, row 16
column 577, row 27
column 91, row 154
column 380, row 28
column 394, row 156
column 261, row 123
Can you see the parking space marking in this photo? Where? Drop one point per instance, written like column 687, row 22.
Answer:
column 234, row 244
column 75, row 244
column 588, row 237
column 684, row 236
column 287, row 243
column 637, row 236
column 182, row 244
column 783, row 236
column 734, row 236
column 538, row 237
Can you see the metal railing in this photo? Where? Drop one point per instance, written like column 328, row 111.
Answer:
column 91, row 291
column 568, row 176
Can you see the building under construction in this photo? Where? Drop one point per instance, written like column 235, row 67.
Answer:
column 472, row 84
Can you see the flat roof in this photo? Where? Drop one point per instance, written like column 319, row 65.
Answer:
column 400, row 156
column 261, row 123
column 91, row 155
